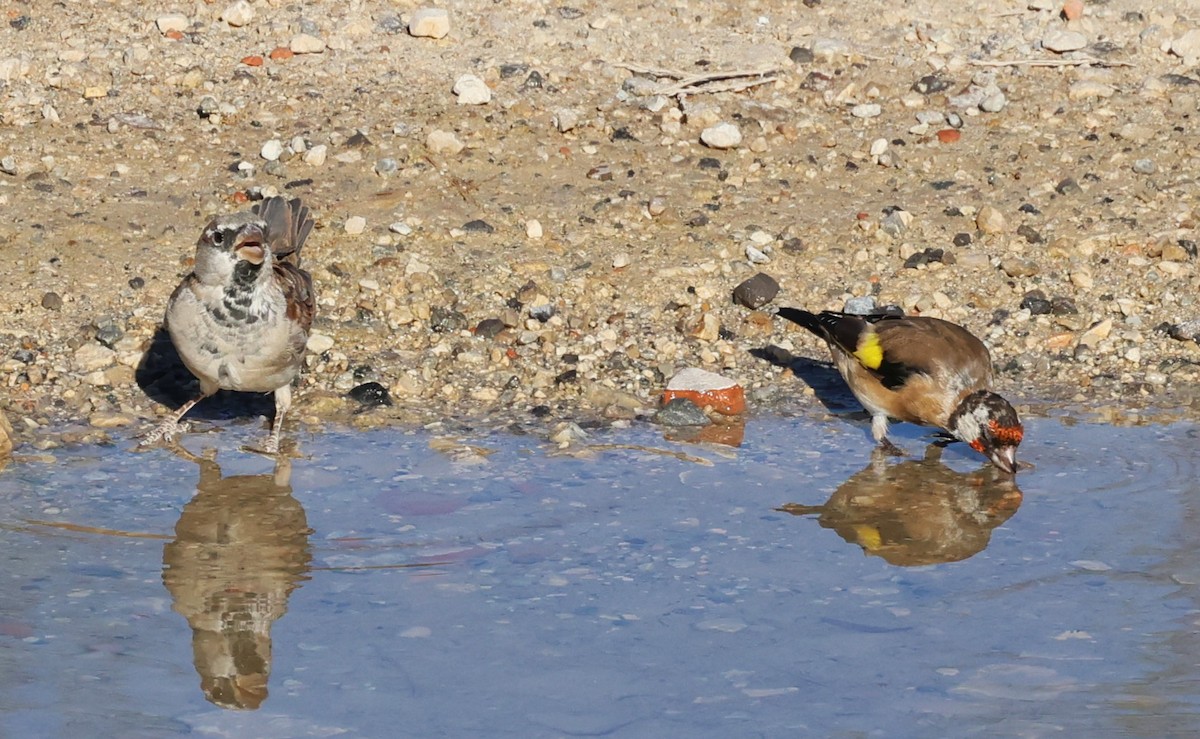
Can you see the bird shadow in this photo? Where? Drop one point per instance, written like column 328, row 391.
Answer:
column 164, row 378
column 826, row 382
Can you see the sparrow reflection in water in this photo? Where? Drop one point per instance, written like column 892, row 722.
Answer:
column 240, row 549
column 918, row 512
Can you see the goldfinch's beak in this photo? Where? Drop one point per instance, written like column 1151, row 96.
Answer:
column 1005, row 457
column 249, row 245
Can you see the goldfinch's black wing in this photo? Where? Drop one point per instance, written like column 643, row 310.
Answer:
column 862, row 338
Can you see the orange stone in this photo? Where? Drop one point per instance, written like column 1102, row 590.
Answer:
column 280, row 53
column 240, row 197
column 728, row 434
column 707, row 390
column 173, row 35
column 254, row 60
column 949, row 135
column 1072, row 10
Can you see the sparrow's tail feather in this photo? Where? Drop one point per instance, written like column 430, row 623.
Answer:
column 288, row 225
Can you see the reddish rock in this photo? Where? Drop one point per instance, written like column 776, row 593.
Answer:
column 949, row 135
column 707, row 390
column 173, row 35
column 1072, row 10
column 253, row 60
column 280, row 53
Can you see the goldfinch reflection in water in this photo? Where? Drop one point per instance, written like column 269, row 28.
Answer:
column 917, row 512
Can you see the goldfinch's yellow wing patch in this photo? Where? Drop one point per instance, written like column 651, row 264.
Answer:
column 869, row 352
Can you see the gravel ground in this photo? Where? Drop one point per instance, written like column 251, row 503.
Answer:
column 559, row 236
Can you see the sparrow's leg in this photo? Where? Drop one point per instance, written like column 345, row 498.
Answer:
column 170, row 428
column 283, row 401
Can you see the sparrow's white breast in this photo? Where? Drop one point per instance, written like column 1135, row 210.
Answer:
column 254, row 353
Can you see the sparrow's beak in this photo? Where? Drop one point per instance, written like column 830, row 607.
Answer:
column 249, row 244
column 1005, row 457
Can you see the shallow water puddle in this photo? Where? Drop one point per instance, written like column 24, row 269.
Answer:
column 398, row 584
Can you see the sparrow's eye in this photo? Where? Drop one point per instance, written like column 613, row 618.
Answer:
column 218, row 238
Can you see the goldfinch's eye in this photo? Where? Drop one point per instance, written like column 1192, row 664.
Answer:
column 218, row 238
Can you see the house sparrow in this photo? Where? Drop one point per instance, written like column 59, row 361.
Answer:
column 921, row 370
column 240, row 320
column 240, row 549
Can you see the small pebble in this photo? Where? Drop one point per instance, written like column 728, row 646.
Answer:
column 721, row 136
column 8, row 165
column 429, row 23
column 370, row 395
column 866, row 110
column 238, row 14
column 52, row 301
column 386, row 166
column 172, row 23
column 355, row 225
column 801, row 55
column 681, row 412
column 319, row 343
column 1060, row 40
column 860, row 306
column 471, row 90
column 565, row 119
column 990, row 220
column 488, row 328
column 533, row 228
column 443, row 142
column 1144, row 166
column 316, row 156
column 304, row 43
column 271, row 150
column 478, row 226
column 756, row 291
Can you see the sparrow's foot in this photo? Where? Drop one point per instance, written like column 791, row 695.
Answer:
column 165, row 432
column 269, row 447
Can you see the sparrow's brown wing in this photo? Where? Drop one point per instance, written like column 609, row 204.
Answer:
column 288, row 225
column 298, row 289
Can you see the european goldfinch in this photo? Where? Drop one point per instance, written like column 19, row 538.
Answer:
column 920, row 370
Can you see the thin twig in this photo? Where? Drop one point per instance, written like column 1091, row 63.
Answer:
column 1048, row 62
column 709, row 82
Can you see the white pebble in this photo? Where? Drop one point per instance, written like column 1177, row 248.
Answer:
column 400, row 227
column 620, row 260
column 272, row 150
column 993, row 103
column 303, row 43
column 238, row 14
column 443, row 142
column 878, row 146
column 533, row 228
column 755, row 255
column 1060, row 40
column 355, row 225
column 472, row 91
column 565, row 119
column 316, row 155
column 866, row 110
column 319, row 343
column 177, row 22
column 429, row 23
column 721, row 136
